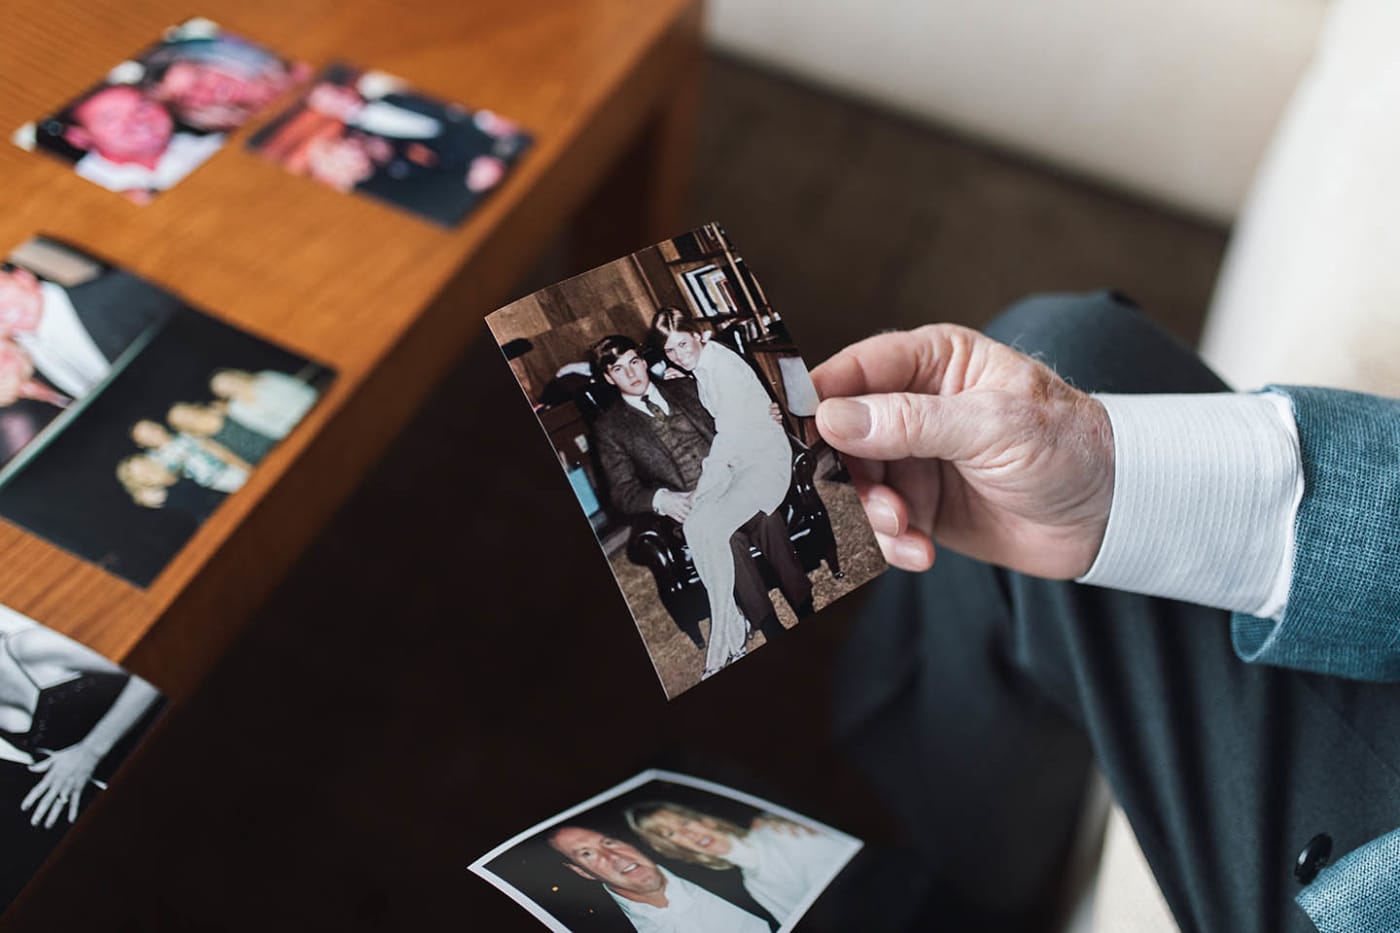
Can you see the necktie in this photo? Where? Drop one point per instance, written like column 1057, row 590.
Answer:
column 654, row 408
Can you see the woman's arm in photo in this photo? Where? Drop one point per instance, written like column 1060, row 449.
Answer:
column 44, row 654
column 733, row 388
column 67, row 771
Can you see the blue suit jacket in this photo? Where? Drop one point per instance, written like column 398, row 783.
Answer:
column 1343, row 612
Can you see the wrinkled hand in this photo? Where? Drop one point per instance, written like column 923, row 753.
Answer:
column 65, row 777
column 674, row 505
column 955, row 437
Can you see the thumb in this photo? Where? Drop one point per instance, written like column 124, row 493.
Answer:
column 43, row 765
column 897, row 425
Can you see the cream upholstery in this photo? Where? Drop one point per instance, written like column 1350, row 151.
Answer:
column 1175, row 100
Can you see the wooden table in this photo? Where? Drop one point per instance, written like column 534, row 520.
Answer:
column 609, row 89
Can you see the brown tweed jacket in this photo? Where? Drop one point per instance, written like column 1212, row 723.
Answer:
column 635, row 462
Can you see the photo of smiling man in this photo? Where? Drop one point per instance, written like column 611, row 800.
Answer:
column 651, row 897
column 668, row 853
column 161, row 114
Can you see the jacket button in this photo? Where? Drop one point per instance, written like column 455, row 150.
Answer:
column 1313, row 857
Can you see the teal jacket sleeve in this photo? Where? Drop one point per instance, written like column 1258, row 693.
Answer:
column 1343, row 611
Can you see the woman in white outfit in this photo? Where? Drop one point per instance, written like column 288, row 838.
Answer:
column 782, row 862
column 748, row 470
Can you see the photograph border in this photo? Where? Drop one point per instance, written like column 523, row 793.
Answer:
column 479, row 868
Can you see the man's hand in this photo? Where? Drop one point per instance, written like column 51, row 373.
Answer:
column 674, row 505
column 958, row 438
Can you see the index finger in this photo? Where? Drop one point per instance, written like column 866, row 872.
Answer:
column 898, row 361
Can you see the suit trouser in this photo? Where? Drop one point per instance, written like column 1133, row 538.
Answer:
column 768, row 533
column 977, row 699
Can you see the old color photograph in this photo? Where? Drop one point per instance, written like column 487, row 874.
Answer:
column 682, row 413
column 665, row 851
column 160, row 115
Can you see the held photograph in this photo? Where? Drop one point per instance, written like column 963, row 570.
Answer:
column 682, row 414
column 158, row 116
column 371, row 133
column 68, row 719
column 127, row 416
column 665, row 851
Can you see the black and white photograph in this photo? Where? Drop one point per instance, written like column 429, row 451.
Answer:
column 68, row 719
column 131, row 416
column 370, row 132
column 667, row 853
column 159, row 115
column 685, row 427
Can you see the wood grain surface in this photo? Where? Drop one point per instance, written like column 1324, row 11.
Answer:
column 607, row 87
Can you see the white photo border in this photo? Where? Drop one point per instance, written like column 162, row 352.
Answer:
column 656, row 774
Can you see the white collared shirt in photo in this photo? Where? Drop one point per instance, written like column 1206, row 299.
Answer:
column 184, row 153
column 62, row 351
column 689, row 909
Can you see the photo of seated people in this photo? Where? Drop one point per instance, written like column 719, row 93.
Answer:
column 68, row 718
column 369, row 132
column 160, row 115
column 164, row 429
column 681, row 411
column 668, row 853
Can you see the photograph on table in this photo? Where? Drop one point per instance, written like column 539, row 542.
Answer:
column 685, row 427
column 68, row 719
column 158, row 116
column 127, row 416
column 370, row 132
column 665, row 851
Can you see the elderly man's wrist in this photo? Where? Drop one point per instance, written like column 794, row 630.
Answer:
column 1097, row 435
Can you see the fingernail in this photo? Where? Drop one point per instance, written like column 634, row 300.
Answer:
column 847, row 418
column 882, row 518
column 909, row 552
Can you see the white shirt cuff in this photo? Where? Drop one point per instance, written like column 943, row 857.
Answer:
column 1206, row 489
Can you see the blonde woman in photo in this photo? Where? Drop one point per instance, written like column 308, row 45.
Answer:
column 748, row 469
column 781, row 861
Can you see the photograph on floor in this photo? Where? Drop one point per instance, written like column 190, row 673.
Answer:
column 68, row 719
column 683, row 415
column 158, row 116
column 369, row 132
column 127, row 416
column 665, row 851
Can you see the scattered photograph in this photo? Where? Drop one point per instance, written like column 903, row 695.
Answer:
column 68, row 719
column 127, row 416
column 370, row 132
column 682, row 413
column 667, row 852
column 160, row 115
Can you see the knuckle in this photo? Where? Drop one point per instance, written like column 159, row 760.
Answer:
column 911, row 419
